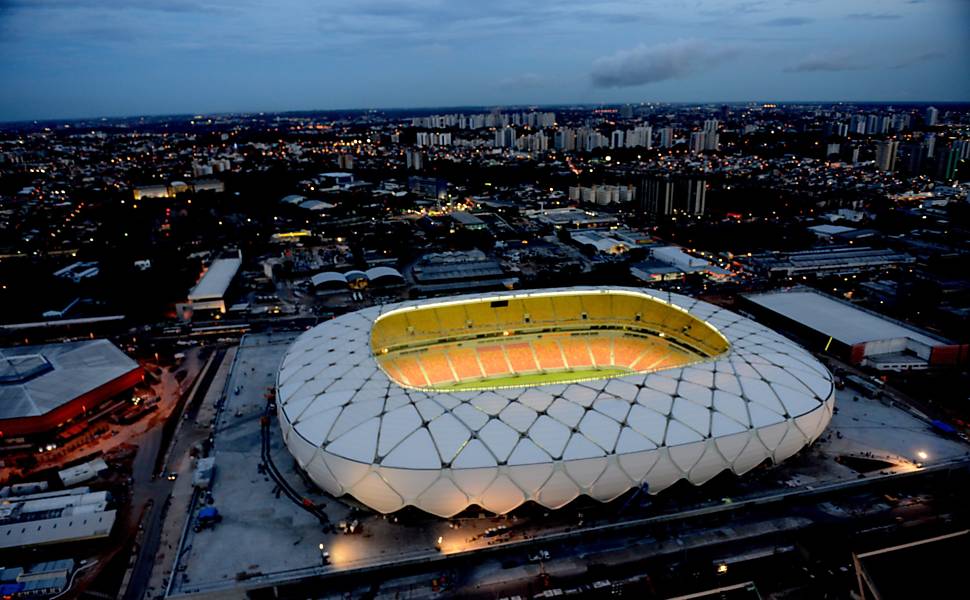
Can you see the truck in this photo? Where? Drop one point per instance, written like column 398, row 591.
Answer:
column 204, row 470
column 206, row 517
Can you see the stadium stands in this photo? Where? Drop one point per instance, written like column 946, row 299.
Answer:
column 445, row 365
column 549, row 355
column 465, row 363
column 452, row 344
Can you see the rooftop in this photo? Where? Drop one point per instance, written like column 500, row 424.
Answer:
column 216, row 279
column 841, row 320
column 70, row 370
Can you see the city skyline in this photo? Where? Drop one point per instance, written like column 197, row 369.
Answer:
column 116, row 59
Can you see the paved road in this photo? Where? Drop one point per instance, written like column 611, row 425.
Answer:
column 160, row 490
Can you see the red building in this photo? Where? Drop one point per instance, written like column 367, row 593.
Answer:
column 45, row 388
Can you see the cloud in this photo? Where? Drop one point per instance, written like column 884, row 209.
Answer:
column 650, row 64
column 868, row 16
column 523, row 81
column 917, row 59
column 788, row 21
column 836, row 61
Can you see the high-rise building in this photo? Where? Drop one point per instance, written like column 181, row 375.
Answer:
column 911, row 158
column 664, row 195
column 694, row 201
column 900, row 122
column 950, row 158
column 616, row 139
column 872, row 124
column 667, row 137
column 698, row 141
column 886, row 154
column 929, row 140
column 565, row 139
column 711, row 136
column 932, row 115
column 639, row 137
column 414, row 159
column 505, row 137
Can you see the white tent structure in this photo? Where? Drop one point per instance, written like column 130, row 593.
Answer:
column 359, row 425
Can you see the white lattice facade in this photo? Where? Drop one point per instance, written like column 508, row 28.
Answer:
column 358, row 428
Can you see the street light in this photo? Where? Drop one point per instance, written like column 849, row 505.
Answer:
column 922, row 455
column 324, row 555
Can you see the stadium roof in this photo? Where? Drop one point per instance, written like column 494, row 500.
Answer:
column 56, row 374
column 216, row 279
column 840, row 320
column 356, row 430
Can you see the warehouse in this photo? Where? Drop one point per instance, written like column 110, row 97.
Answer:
column 860, row 336
column 208, row 297
column 55, row 518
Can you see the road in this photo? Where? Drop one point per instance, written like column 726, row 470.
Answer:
column 159, row 490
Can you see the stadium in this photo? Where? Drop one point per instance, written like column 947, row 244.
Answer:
column 499, row 399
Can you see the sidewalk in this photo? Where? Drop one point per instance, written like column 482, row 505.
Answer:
column 182, row 493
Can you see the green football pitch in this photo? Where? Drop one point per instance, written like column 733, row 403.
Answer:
column 567, row 376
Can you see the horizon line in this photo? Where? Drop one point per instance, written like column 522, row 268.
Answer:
column 460, row 107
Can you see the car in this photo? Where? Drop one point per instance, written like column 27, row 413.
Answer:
column 172, row 476
column 494, row 531
column 540, row 555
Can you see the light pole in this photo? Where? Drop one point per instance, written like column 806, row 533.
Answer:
column 324, row 555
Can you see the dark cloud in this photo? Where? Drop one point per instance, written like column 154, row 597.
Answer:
column 837, row 61
column 788, row 21
column 868, row 16
column 650, row 64
column 917, row 59
column 723, row 9
column 167, row 6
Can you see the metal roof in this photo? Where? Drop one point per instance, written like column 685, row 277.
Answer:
column 216, row 279
column 75, row 368
column 378, row 272
column 844, row 322
column 357, row 431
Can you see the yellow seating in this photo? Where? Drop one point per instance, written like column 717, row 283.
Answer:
column 452, row 343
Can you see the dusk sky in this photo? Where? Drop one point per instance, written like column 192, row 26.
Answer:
column 85, row 58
